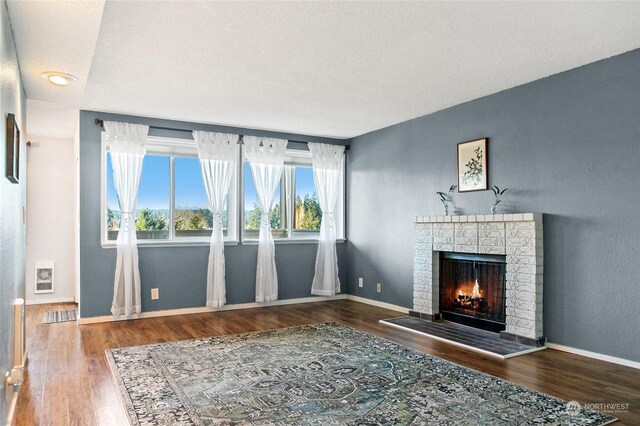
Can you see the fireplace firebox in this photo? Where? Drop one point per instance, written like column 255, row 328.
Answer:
column 472, row 289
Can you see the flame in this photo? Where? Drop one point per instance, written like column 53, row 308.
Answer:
column 476, row 294
column 460, row 293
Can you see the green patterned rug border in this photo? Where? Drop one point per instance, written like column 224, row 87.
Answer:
column 187, row 413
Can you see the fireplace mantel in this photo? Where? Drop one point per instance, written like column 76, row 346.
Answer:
column 516, row 235
column 510, row 217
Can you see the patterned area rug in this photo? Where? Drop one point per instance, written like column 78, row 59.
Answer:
column 326, row 374
column 59, row 316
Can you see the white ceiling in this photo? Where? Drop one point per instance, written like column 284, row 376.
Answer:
column 336, row 69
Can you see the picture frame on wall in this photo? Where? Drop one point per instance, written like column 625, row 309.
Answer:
column 44, row 277
column 473, row 165
column 12, row 149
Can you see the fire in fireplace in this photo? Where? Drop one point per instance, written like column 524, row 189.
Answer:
column 472, row 289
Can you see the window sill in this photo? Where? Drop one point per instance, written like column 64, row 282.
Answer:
column 290, row 241
column 143, row 244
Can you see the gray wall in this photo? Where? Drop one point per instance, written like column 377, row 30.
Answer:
column 180, row 273
column 12, row 196
column 568, row 146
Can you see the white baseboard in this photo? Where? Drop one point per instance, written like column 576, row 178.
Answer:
column 377, row 303
column 203, row 309
column 595, row 355
column 45, row 301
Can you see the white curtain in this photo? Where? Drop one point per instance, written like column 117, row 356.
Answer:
column 327, row 164
column 288, row 182
column 266, row 159
column 127, row 145
column 217, row 153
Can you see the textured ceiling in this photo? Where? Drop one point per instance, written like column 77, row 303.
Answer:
column 336, row 69
column 55, row 35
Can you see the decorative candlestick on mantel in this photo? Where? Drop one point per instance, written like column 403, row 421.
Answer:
column 497, row 193
column 445, row 198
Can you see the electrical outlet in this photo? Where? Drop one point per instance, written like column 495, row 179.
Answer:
column 379, row 288
column 360, row 282
column 155, row 294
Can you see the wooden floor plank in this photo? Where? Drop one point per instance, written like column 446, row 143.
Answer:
column 68, row 380
column 80, row 403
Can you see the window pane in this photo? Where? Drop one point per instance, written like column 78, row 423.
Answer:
column 193, row 217
column 152, row 210
column 307, row 212
column 113, row 205
column 252, row 211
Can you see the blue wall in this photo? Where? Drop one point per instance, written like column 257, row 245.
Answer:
column 180, row 273
column 568, row 146
column 12, row 196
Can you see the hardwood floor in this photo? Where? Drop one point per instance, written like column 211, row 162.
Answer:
column 68, row 381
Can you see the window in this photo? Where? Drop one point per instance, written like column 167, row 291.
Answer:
column 172, row 203
column 307, row 214
column 173, row 208
column 296, row 211
column 152, row 210
column 193, row 217
column 253, row 212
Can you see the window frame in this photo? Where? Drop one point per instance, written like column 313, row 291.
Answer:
column 301, row 158
column 172, row 148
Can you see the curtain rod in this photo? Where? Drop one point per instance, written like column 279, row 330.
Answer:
column 100, row 122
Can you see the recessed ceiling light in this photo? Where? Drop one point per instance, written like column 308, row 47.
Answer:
column 59, row 78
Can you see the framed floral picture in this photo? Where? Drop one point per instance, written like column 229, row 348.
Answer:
column 472, row 165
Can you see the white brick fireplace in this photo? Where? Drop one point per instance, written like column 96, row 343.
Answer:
column 518, row 236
